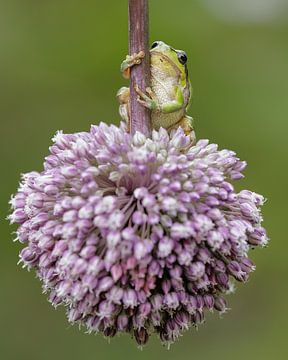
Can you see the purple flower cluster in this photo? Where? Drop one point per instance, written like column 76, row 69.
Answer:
column 136, row 234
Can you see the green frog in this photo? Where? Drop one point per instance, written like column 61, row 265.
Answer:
column 170, row 93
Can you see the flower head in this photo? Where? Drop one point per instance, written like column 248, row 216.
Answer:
column 135, row 234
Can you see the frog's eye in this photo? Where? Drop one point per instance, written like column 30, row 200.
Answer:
column 154, row 44
column 182, row 57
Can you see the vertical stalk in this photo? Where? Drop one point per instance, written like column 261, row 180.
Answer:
column 140, row 74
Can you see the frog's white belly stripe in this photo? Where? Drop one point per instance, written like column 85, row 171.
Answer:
column 164, row 89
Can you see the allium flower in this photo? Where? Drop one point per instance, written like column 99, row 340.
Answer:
column 137, row 235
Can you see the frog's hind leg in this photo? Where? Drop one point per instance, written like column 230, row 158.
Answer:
column 187, row 125
column 123, row 96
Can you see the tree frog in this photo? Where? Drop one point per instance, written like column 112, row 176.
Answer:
column 170, row 92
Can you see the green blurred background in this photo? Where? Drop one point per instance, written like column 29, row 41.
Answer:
column 59, row 69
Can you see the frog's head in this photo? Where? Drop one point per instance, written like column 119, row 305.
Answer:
column 161, row 51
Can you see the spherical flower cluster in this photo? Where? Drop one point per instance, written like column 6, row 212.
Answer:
column 134, row 234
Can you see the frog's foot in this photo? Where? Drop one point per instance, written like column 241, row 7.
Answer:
column 187, row 125
column 149, row 101
column 123, row 96
column 131, row 60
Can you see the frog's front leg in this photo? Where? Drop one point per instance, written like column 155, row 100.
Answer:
column 186, row 123
column 151, row 101
column 148, row 100
column 131, row 60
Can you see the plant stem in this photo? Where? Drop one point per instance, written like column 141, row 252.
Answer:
column 140, row 74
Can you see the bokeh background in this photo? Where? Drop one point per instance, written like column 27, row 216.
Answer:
column 59, row 69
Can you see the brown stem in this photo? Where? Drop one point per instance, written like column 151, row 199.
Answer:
column 140, row 74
